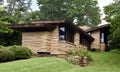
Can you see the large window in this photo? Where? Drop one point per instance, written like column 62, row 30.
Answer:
column 66, row 33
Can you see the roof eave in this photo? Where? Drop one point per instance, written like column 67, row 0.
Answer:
column 97, row 28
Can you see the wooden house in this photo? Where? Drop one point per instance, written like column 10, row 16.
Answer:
column 100, row 34
column 53, row 37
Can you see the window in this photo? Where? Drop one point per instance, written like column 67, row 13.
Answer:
column 65, row 33
column 102, row 38
column 82, row 40
column 89, row 33
column 62, row 33
column 85, row 41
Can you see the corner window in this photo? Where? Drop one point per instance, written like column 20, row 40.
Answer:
column 66, row 33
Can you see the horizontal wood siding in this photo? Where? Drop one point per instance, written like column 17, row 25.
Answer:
column 45, row 41
column 37, row 41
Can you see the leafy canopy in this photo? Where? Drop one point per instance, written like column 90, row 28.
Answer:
column 85, row 11
column 112, row 12
column 15, row 12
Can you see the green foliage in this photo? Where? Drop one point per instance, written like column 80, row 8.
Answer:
column 34, row 16
column 18, row 9
column 112, row 12
column 81, row 53
column 13, row 39
column 4, row 19
column 21, row 52
column 6, row 55
column 85, row 11
column 72, row 52
column 15, row 12
column 85, row 54
column 9, row 39
column 2, row 40
column 14, row 52
column 5, row 29
column 79, row 58
column 18, row 6
column 72, row 60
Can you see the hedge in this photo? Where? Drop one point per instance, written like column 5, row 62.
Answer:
column 6, row 55
column 21, row 52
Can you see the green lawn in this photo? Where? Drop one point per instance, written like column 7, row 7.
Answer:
column 103, row 62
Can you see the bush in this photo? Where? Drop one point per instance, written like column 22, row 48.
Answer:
column 21, row 52
column 85, row 54
column 72, row 60
column 72, row 52
column 79, row 57
column 6, row 55
column 81, row 53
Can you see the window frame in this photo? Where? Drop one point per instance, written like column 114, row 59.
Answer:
column 62, row 34
column 68, row 35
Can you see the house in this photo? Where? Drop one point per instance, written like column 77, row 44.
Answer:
column 53, row 37
column 100, row 34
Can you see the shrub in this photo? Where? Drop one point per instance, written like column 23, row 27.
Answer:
column 81, row 53
column 72, row 52
column 21, row 52
column 6, row 55
column 85, row 53
column 72, row 60
column 79, row 57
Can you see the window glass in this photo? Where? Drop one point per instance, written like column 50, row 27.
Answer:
column 62, row 29
column 102, row 38
column 62, row 37
column 66, row 33
column 89, row 33
column 62, row 33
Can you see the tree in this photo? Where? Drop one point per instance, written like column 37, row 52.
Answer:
column 112, row 12
column 15, row 12
column 18, row 10
column 3, row 28
column 85, row 11
column 4, row 20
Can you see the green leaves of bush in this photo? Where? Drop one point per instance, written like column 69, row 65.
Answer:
column 81, row 53
column 14, row 52
column 21, row 52
column 6, row 55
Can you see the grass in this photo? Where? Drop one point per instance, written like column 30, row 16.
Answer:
column 102, row 62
